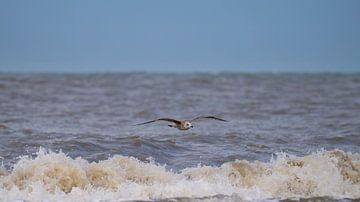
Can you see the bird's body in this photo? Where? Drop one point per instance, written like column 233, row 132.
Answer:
column 182, row 124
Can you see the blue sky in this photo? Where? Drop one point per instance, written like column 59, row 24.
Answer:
column 180, row 36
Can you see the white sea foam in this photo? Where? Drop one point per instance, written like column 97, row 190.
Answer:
column 56, row 177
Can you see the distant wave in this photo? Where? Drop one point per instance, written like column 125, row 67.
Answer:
column 55, row 176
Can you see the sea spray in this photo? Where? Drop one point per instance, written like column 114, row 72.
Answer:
column 55, row 176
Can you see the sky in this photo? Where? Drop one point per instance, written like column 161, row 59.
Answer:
column 180, row 36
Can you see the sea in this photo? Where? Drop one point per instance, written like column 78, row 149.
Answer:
column 73, row 137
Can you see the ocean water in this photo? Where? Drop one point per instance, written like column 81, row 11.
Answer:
column 70, row 137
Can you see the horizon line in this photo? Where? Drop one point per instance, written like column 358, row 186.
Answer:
column 174, row 72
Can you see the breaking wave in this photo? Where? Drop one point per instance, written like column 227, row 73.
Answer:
column 55, row 176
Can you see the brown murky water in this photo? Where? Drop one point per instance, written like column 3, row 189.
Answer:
column 67, row 137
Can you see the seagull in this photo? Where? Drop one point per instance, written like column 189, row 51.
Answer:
column 182, row 124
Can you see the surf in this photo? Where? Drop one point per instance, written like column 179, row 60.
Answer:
column 55, row 176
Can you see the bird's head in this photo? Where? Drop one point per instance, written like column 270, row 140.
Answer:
column 188, row 125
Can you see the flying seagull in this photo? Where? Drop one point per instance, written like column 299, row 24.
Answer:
column 182, row 124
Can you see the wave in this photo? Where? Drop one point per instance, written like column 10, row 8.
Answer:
column 54, row 176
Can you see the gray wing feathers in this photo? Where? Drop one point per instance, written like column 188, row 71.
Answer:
column 208, row 117
column 161, row 119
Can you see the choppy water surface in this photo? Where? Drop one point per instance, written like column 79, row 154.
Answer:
column 71, row 137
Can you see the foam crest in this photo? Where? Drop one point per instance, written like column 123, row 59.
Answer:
column 55, row 176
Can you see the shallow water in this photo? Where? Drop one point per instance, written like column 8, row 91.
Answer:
column 288, row 136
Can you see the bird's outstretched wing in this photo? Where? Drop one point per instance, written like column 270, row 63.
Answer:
column 160, row 119
column 208, row 117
